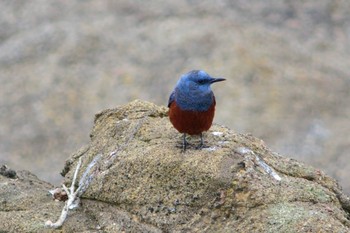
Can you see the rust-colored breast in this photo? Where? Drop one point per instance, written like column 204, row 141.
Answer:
column 191, row 122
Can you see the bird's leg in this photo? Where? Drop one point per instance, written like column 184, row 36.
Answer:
column 184, row 143
column 201, row 145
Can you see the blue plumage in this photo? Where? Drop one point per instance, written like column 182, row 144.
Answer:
column 193, row 92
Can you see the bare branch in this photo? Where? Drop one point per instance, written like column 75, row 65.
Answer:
column 73, row 195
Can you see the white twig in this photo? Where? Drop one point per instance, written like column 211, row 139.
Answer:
column 75, row 176
column 72, row 196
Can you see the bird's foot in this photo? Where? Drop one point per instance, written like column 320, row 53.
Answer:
column 184, row 147
column 201, row 146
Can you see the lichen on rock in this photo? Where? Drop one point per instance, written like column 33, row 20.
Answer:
column 144, row 172
column 145, row 183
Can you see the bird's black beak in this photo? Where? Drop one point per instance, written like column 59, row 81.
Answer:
column 214, row 80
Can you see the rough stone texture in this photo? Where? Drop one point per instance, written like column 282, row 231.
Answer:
column 25, row 205
column 145, row 183
column 286, row 64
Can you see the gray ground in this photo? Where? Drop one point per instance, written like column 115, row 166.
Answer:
column 286, row 64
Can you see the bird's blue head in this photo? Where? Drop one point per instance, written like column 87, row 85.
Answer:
column 193, row 90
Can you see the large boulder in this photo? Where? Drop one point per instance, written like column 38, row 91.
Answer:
column 144, row 182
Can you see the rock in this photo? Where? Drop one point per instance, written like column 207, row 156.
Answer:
column 143, row 182
column 25, row 206
column 5, row 171
column 144, row 172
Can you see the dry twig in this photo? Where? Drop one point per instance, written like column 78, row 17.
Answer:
column 73, row 195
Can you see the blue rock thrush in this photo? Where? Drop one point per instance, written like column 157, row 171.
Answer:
column 192, row 104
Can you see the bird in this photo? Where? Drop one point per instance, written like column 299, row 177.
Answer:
column 192, row 104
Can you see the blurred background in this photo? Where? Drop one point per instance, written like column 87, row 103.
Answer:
column 287, row 65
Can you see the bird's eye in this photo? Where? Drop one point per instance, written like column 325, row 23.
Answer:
column 201, row 81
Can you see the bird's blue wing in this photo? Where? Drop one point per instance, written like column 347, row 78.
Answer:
column 171, row 98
